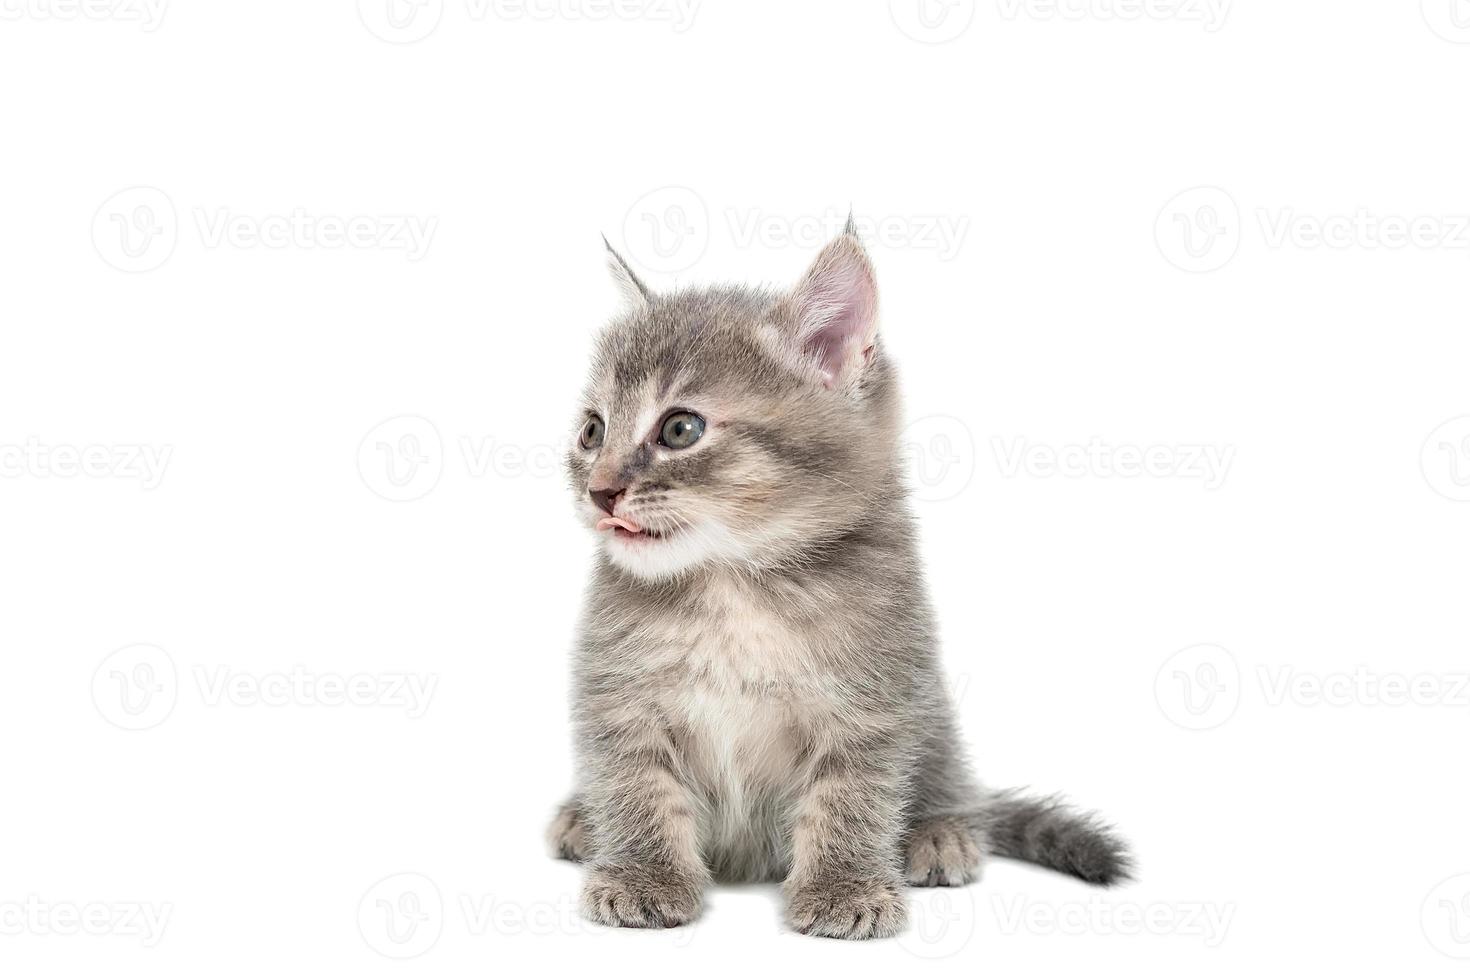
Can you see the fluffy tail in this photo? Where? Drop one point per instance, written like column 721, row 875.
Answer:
column 1049, row 832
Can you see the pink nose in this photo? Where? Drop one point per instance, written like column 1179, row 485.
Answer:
column 607, row 498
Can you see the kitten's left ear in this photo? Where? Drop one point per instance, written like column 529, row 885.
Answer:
column 634, row 292
column 835, row 309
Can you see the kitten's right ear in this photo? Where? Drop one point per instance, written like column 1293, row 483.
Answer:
column 634, row 292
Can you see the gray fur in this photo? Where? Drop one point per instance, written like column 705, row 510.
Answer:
column 757, row 694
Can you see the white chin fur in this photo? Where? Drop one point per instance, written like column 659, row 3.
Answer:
column 687, row 548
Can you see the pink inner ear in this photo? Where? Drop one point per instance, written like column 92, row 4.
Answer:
column 837, row 308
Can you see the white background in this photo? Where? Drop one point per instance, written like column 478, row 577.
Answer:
column 1166, row 229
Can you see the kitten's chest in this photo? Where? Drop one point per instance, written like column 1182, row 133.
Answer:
column 747, row 689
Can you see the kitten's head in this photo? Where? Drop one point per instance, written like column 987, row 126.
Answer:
column 737, row 426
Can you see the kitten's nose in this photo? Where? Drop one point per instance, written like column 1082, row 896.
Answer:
column 606, row 499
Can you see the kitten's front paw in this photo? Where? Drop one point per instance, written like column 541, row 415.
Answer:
column 868, row 909
column 942, row 851
column 640, row 896
column 567, row 834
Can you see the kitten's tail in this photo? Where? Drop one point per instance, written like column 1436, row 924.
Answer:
column 1049, row 832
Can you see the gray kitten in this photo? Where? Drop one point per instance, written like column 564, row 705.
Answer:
column 757, row 691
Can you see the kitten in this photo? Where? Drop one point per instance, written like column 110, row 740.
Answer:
column 757, row 691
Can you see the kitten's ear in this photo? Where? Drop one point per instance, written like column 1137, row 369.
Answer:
column 635, row 294
column 835, row 310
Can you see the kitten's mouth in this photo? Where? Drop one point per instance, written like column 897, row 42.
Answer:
column 627, row 529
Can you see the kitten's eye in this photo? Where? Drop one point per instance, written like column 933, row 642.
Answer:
column 681, row 430
column 592, row 432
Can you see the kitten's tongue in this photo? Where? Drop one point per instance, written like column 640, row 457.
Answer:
column 608, row 523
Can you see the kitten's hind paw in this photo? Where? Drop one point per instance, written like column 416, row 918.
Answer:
column 640, row 897
column 567, row 834
column 847, row 909
column 942, row 852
